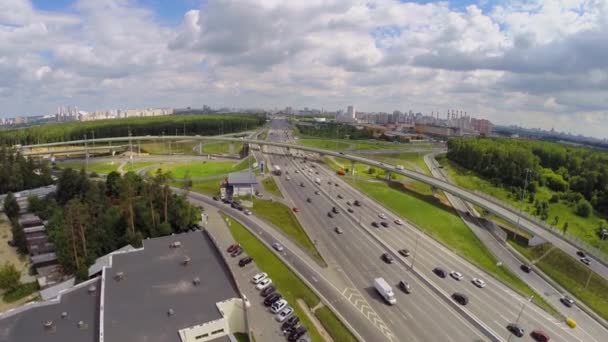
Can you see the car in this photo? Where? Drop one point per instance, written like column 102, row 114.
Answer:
column 278, row 306
column 317, row 192
column 516, row 330
column 350, row 210
column 237, row 252
column 290, row 322
column 567, row 301
column 581, row 254
column 335, row 210
column 387, row 258
column 456, row 275
column 215, row 198
column 329, row 182
column 440, row 272
column 338, row 230
column 259, row 277
column 263, row 284
column 308, row 200
column 235, row 205
column 382, row 216
column 460, row 298
column 233, row 247
column 295, row 210
column 375, row 224
column 277, row 246
column 287, row 178
column 336, row 184
column 330, row 214
column 267, row 291
column 340, row 196
column 357, row 203
column 404, row 252
column 296, row 334
column 478, row 282
column 525, row 268
column 539, row 336
column 284, row 314
column 302, row 184
column 384, row 224
column 585, row 261
column 348, row 203
column 272, row 298
column 405, row 286
column 247, row 212
column 296, row 171
column 398, row 222
column 245, row 261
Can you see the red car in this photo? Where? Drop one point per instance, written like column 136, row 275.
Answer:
column 296, row 210
column 233, row 247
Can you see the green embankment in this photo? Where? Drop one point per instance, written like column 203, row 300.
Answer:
column 204, row 168
column 289, row 285
column 271, row 187
column 328, row 144
column 284, row 218
column 570, row 274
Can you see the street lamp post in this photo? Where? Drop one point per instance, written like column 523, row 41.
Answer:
column 523, row 306
column 415, row 250
column 523, row 192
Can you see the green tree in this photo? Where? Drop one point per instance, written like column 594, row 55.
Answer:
column 9, row 277
column 11, row 207
column 113, row 180
column 565, row 228
column 583, row 208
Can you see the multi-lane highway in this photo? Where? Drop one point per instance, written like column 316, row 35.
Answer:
column 358, row 251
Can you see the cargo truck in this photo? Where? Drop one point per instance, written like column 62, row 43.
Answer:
column 385, row 290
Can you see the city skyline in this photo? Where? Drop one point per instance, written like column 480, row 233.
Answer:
column 539, row 64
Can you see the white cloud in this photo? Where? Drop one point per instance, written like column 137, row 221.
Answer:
column 534, row 62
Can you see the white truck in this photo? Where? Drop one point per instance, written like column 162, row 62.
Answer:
column 385, row 290
column 399, row 167
column 318, row 180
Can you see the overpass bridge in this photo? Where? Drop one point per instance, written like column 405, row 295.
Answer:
column 510, row 214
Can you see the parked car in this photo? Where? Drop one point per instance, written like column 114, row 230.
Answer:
column 404, row 252
column 387, row 258
column 515, row 330
column 278, row 306
column 440, row 272
column 296, row 334
column 478, row 282
column 290, row 322
column 567, row 301
column 273, row 297
column 539, row 336
column 526, row 268
column 237, row 252
column 405, row 286
column 277, row 246
column 263, row 284
column 460, row 298
column 232, row 247
column 267, row 291
column 284, row 314
column 245, row 261
column 456, row 275
column 259, row 277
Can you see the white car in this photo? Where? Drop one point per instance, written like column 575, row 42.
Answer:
column 382, row 216
column 263, row 284
column 277, row 246
column 456, row 275
column 284, row 314
column 247, row 212
column 478, row 282
column 398, row 222
column 287, row 178
column 278, row 305
column 259, row 277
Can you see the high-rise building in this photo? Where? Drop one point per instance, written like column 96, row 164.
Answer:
column 350, row 112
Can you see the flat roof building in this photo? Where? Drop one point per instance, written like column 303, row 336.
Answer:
column 241, row 183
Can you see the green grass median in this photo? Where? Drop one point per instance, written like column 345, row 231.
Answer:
column 270, row 185
column 288, row 284
column 282, row 217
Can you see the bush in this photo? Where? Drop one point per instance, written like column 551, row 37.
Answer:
column 9, row 277
column 11, row 207
column 554, row 198
column 583, row 208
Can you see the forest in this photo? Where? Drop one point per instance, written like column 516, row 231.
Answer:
column 577, row 174
column 332, row 130
column 89, row 218
column 18, row 173
column 157, row 125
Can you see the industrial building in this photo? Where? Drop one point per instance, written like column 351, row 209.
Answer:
column 241, row 183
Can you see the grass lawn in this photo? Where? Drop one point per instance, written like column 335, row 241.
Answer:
column 407, row 159
column 443, row 224
column 23, row 290
column 240, row 337
column 289, row 285
column 137, row 165
column 200, row 169
column 283, row 218
column 186, row 147
column 328, row 144
column 99, row 167
column 271, row 186
column 221, row 148
column 209, row 187
column 571, row 274
column 582, row 228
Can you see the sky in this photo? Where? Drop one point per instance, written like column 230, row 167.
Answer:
column 529, row 62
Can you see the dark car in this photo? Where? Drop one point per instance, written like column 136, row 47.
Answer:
column 245, row 261
column 357, row 203
column 350, row 210
column 308, row 200
column 301, row 184
column 539, row 335
column 387, row 258
column 336, row 184
column 232, row 247
column 335, row 210
column 340, row 196
column 404, row 252
column 215, row 198
column 296, row 334
column 567, row 301
column 375, row 224
column 405, row 286
column 384, row 224
column 330, row 214
column 526, row 268
column 290, row 322
column 235, row 205
column 267, row 291
column 236, row 252
column 460, row 298
column 440, row 272
column 272, row 298
column 515, row 329
column 581, row 254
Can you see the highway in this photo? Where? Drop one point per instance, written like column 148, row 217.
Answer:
column 496, row 305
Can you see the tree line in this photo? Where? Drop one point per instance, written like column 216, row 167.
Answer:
column 579, row 175
column 18, row 173
column 332, row 130
column 157, row 125
column 90, row 218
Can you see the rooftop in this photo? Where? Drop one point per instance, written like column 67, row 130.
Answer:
column 27, row 323
column 143, row 285
column 246, row 177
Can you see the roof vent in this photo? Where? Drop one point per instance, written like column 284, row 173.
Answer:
column 119, row 276
column 186, row 260
column 92, row 289
column 81, row 325
column 175, row 244
column 48, row 324
column 171, row 312
column 64, row 314
column 196, row 281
